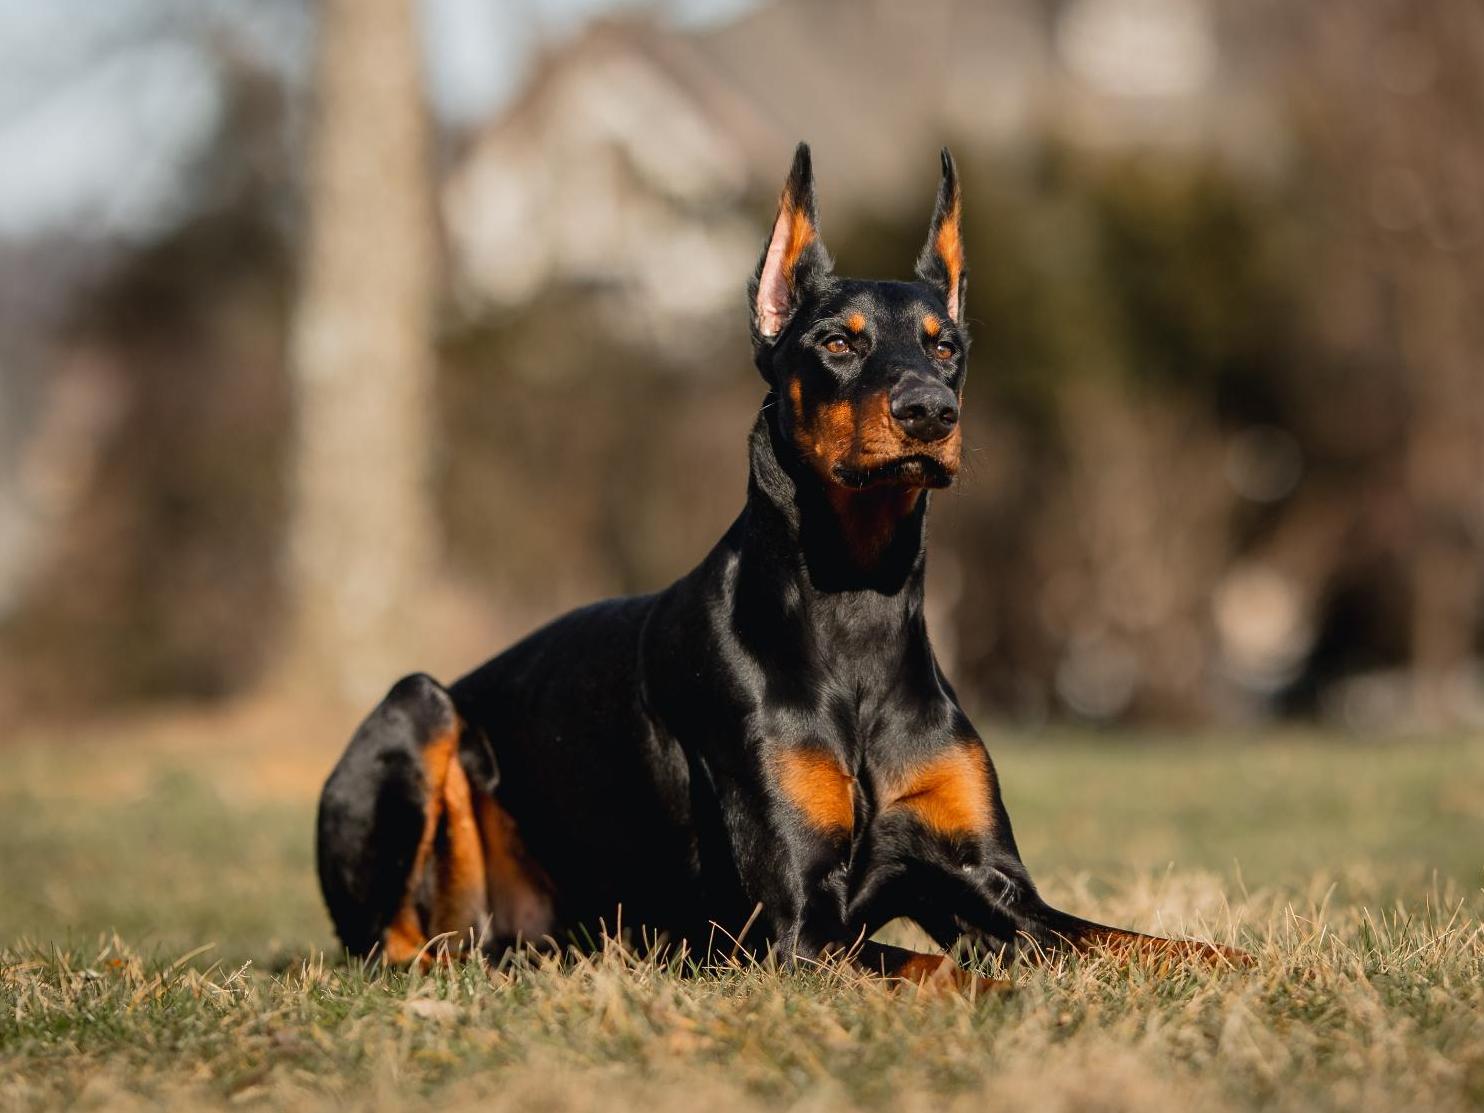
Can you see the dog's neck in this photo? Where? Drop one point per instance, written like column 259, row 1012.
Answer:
column 832, row 540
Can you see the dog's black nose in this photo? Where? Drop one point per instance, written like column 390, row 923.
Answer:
column 926, row 410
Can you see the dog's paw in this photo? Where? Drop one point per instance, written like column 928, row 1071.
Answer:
column 940, row 974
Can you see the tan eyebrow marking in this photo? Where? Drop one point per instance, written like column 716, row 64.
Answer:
column 856, row 322
column 931, row 325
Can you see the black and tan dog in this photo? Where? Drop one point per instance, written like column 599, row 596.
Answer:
column 765, row 748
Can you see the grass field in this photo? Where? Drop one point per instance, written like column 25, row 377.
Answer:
column 162, row 944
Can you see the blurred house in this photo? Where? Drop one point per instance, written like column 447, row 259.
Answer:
column 638, row 158
column 618, row 172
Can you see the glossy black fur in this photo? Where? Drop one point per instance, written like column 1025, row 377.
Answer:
column 632, row 739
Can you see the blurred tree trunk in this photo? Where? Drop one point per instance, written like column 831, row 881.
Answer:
column 364, row 537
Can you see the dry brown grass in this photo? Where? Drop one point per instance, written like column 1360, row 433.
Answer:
column 1368, row 990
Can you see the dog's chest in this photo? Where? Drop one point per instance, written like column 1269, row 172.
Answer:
column 942, row 787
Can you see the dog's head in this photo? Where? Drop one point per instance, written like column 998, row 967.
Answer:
column 868, row 376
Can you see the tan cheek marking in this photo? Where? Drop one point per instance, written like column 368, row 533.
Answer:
column 831, row 434
column 856, row 322
column 869, row 520
column 931, row 325
column 949, row 794
column 881, row 438
column 813, row 782
column 951, row 451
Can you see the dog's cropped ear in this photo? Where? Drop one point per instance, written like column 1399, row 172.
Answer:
column 941, row 263
column 794, row 257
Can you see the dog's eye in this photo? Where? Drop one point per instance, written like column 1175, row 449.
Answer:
column 837, row 345
column 944, row 350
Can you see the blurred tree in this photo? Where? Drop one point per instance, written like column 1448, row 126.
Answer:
column 363, row 532
column 141, row 361
column 1122, row 302
column 1393, row 98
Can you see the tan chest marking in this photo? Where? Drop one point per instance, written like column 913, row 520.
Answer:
column 948, row 794
column 813, row 782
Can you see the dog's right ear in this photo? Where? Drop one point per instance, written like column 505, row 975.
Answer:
column 794, row 257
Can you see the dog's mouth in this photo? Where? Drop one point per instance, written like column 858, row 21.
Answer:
column 916, row 470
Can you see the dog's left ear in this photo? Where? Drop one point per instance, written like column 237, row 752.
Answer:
column 794, row 257
column 941, row 263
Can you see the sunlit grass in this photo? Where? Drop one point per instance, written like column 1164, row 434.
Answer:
column 1352, row 874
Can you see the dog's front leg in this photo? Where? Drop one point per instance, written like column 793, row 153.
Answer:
column 789, row 816
column 794, row 832
column 1004, row 914
column 1000, row 908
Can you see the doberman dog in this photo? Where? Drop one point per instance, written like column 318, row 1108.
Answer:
column 765, row 753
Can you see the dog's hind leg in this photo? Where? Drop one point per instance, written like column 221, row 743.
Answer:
column 399, row 846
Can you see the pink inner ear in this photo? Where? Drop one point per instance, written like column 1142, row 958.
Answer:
column 773, row 296
column 953, row 303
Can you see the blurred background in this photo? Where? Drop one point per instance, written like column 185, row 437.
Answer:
column 340, row 339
